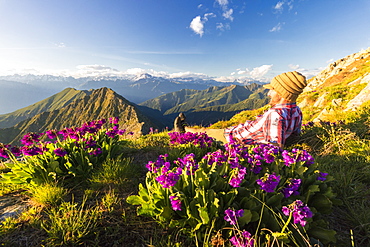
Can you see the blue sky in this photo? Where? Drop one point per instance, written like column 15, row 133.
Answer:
column 222, row 39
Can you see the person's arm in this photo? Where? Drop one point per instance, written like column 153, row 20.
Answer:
column 274, row 128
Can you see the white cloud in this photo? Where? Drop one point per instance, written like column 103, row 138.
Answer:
column 228, row 14
column 206, row 15
column 294, row 66
column 95, row 67
column 60, row 45
column 279, row 6
column 290, row 5
column 223, row 26
column 277, row 28
column 256, row 73
column 105, row 71
column 188, row 74
column 310, row 72
column 259, row 72
column 222, row 2
column 135, row 71
column 197, row 25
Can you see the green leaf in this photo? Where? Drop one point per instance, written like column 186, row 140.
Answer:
column 143, row 193
column 203, row 213
column 324, row 235
column 12, row 181
column 166, row 213
column 314, row 188
column 247, row 217
column 201, row 179
column 301, row 170
column 147, row 209
column 134, row 200
column 281, row 236
column 322, row 203
column 215, row 204
column 255, row 216
column 8, row 175
column 196, row 228
column 192, row 210
column 275, row 200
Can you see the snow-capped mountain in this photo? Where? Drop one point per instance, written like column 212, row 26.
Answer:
column 23, row 90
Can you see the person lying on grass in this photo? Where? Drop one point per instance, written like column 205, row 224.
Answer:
column 282, row 120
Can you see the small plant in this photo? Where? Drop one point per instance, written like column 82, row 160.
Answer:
column 71, row 223
column 48, row 194
column 110, row 201
column 120, row 172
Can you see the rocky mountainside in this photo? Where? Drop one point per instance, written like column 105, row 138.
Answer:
column 343, row 86
column 100, row 103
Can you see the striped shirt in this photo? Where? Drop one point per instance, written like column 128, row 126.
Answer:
column 274, row 126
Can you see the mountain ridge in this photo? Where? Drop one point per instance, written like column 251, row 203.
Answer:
column 53, row 102
column 101, row 103
column 136, row 89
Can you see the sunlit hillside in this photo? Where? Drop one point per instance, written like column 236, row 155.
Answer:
column 93, row 186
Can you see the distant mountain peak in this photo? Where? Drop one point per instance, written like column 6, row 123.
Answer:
column 142, row 76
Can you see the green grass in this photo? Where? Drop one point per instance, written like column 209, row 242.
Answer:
column 48, row 194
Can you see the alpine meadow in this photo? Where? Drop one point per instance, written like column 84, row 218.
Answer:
column 94, row 167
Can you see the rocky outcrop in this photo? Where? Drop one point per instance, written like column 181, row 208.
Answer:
column 344, row 85
column 335, row 68
column 12, row 205
column 363, row 96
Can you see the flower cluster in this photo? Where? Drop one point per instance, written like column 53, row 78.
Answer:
column 60, row 152
column 160, row 162
column 169, row 178
column 188, row 163
column 242, row 240
column 269, row 182
column 32, row 144
column 166, row 177
column 30, row 138
column 236, row 180
column 266, row 152
column 232, row 216
column 218, row 157
column 297, row 155
column 175, row 203
column 321, row 176
column 299, row 212
column 4, row 151
column 198, row 139
column 291, row 188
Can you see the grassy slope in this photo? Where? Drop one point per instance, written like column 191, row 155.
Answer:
column 54, row 102
column 101, row 103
